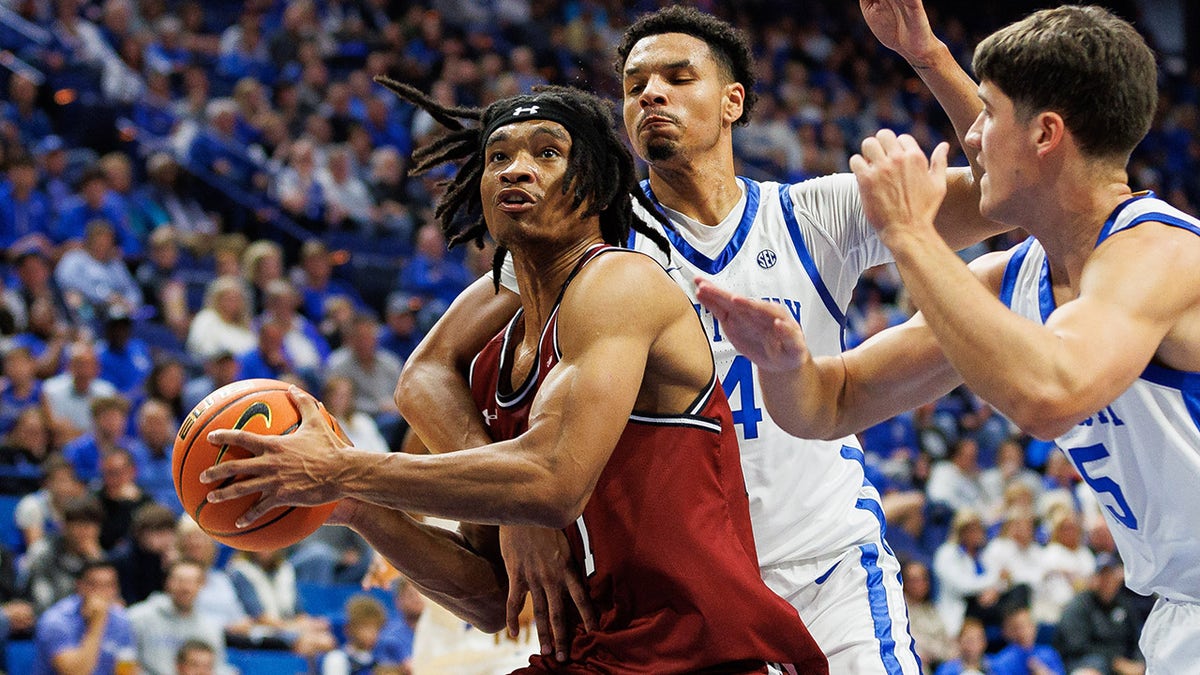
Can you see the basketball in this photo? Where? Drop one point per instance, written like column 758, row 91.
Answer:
column 259, row 406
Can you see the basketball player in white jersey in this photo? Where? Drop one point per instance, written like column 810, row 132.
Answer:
column 818, row 525
column 1101, row 349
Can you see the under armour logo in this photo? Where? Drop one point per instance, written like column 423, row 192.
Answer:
column 531, row 110
column 489, row 417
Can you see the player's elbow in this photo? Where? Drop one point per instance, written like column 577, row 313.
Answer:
column 1046, row 413
column 557, row 508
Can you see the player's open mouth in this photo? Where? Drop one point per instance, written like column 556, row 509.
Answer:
column 514, row 200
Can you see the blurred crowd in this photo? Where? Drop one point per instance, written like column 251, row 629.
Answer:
column 197, row 193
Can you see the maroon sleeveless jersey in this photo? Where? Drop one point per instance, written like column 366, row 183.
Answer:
column 664, row 543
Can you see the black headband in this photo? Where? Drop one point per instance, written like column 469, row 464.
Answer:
column 542, row 108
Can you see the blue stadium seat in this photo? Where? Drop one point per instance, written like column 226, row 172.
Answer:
column 19, row 656
column 10, row 536
column 266, row 662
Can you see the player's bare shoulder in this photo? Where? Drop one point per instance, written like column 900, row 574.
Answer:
column 626, row 286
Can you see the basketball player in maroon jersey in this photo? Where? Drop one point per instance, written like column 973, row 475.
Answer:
column 602, row 398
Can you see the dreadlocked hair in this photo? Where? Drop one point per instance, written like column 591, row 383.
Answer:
column 603, row 176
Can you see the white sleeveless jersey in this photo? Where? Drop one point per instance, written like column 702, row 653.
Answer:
column 1141, row 453
column 803, row 246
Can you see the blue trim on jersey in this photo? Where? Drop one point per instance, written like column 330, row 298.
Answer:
column 698, row 259
column 825, row 577
column 789, row 217
column 1046, row 303
column 1183, row 380
column 1012, row 270
column 877, row 598
column 1112, row 218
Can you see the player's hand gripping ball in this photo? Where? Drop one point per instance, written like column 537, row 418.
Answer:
column 260, row 406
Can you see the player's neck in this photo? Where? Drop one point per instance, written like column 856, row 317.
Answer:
column 1076, row 212
column 541, row 277
column 703, row 191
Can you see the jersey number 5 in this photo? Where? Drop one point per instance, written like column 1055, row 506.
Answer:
column 1103, row 484
column 740, row 378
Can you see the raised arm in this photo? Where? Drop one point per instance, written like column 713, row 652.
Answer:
column 903, row 27
column 432, row 393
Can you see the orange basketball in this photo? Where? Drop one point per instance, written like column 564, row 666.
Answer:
column 260, row 406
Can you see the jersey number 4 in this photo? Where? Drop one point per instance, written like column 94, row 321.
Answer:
column 740, row 378
column 1103, row 484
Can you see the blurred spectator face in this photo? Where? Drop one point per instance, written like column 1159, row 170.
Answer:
column 1019, row 528
column 81, row 536
column 318, row 268
column 22, row 91
column 1019, row 628
column 364, row 339
column 164, row 253
column 231, row 305
column 23, row 177
column 29, row 433
column 1068, row 532
column 100, row 243
column 966, row 455
column 270, row 337
column 111, row 423
column 410, row 602
column 197, row 662
column 155, row 426
column 916, row 582
column 93, row 191
column 54, row 163
column 339, row 166
column 972, row 641
column 62, row 485
column 183, row 585
column 386, row 166
column 222, row 370
column 117, row 471
column 377, row 112
column 99, row 582
column 119, row 173
column 431, row 243
column 972, row 536
column 117, row 14
column 168, row 380
column 225, row 122
column 19, row 366
column 282, row 299
column 338, row 397
column 83, row 364
column 194, row 544
column 34, row 273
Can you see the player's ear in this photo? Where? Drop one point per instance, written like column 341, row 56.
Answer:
column 1047, row 131
column 732, row 102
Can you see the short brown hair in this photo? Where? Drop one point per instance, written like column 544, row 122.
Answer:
column 362, row 609
column 1084, row 63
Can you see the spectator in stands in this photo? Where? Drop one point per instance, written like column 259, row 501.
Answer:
column 1098, row 634
column 972, row 643
column 125, row 359
column 430, row 273
column 261, row 263
column 348, row 200
column 955, row 480
column 42, row 513
column 161, row 282
column 51, row 154
column 110, row 421
column 1068, row 566
column 224, row 323
column 118, row 173
column 195, row 658
column 164, row 201
column 217, row 598
column 387, row 185
column 217, row 149
column 22, row 121
column 1023, row 655
column 35, row 284
column 266, row 586
column 166, row 52
column 220, row 369
column 934, row 644
column 306, row 347
column 92, row 204
column 395, row 646
column 87, row 632
column 339, row 398
column 142, row 560
column 54, row 563
column 165, row 383
column 95, row 278
column 402, row 333
column 1010, row 468
column 315, row 281
column 1016, row 556
column 20, row 389
column 296, row 187
column 120, row 497
column 68, row 397
column 22, row 451
column 271, row 359
column 168, row 619
column 964, row 581
column 26, row 215
column 372, row 370
column 243, row 52
column 155, row 440
column 365, row 617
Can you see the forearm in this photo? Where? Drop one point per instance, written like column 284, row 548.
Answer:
column 1017, row 366
column 443, row 564
column 83, row 659
column 953, row 88
column 805, row 401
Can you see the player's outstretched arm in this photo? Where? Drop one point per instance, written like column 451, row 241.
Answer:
column 903, row 27
column 446, row 568
column 432, row 393
column 833, row 396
